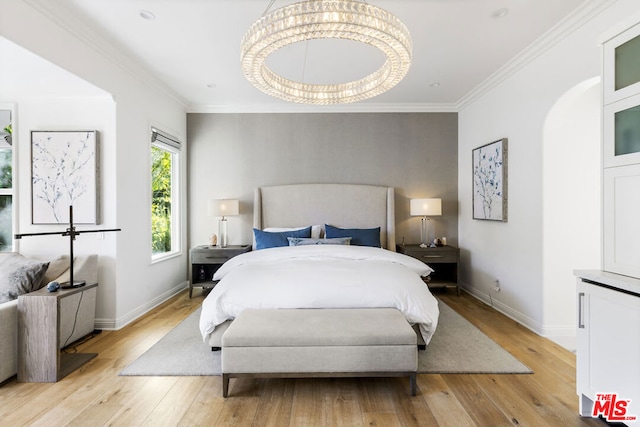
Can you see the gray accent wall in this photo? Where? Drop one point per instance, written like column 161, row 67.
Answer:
column 231, row 154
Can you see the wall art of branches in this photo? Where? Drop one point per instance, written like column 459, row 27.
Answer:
column 490, row 181
column 64, row 171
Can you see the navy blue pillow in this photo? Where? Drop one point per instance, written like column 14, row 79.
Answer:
column 265, row 239
column 359, row 236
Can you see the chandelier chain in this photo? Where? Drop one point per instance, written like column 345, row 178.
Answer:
column 271, row 2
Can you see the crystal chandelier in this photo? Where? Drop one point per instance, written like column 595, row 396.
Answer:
column 322, row 19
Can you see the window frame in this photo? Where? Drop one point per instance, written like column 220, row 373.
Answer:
column 172, row 145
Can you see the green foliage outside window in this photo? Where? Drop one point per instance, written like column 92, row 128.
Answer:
column 5, row 168
column 161, row 200
column 6, row 229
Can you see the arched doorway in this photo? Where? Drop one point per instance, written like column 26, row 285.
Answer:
column 571, row 204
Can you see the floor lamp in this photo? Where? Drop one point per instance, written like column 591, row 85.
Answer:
column 426, row 208
column 72, row 233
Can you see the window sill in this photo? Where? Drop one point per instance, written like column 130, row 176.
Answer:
column 155, row 259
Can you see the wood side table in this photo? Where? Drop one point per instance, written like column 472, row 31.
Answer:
column 206, row 260
column 39, row 355
column 443, row 259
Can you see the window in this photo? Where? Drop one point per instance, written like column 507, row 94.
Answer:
column 6, row 182
column 165, row 207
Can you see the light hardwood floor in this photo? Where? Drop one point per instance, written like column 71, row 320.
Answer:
column 95, row 395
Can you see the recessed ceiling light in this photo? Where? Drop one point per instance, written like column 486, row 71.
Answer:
column 501, row 12
column 435, row 84
column 145, row 14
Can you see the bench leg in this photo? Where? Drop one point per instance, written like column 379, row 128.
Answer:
column 225, row 385
column 412, row 384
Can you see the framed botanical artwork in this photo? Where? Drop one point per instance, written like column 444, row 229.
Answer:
column 490, row 181
column 64, row 172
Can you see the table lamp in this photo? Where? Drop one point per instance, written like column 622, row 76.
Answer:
column 222, row 208
column 426, row 208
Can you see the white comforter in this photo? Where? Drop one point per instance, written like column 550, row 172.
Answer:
column 321, row 276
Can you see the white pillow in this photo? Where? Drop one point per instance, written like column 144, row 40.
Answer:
column 316, row 230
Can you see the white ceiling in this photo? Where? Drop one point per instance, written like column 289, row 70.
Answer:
column 192, row 46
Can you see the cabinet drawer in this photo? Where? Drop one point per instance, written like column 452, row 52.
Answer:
column 205, row 258
column 434, row 258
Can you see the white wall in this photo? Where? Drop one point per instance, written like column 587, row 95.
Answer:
column 68, row 114
column 517, row 108
column 132, row 284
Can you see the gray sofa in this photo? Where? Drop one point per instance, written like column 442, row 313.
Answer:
column 85, row 268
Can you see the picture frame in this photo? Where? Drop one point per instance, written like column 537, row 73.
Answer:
column 64, row 172
column 490, row 190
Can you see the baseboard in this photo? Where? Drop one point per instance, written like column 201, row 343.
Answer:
column 121, row 322
column 508, row 311
column 562, row 335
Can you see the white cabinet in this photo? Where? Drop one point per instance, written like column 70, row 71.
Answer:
column 621, row 153
column 608, row 353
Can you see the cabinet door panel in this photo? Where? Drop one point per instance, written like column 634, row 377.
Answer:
column 622, row 76
column 621, row 129
column 621, row 220
column 609, row 344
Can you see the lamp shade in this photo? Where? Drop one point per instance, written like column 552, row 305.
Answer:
column 426, row 207
column 223, row 207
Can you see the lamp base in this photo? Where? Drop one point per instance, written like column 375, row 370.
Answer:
column 424, row 233
column 75, row 284
column 223, row 242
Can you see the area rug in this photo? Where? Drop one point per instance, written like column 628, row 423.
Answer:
column 456, row 347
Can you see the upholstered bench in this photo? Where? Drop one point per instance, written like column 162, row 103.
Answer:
column 296, row 343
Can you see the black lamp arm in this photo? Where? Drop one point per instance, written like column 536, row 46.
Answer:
column 72, row 233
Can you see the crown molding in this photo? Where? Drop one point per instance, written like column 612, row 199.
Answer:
column 579, row 17
column 62, row 16
column 346, row 108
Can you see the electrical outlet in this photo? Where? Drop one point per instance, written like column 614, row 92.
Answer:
column 496, row 285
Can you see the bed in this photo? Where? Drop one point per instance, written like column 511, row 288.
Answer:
column 320, row 275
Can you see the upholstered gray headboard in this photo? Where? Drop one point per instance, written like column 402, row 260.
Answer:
column 340, row 205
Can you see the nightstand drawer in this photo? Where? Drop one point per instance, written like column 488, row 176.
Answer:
column 205, row 258
column 435, row 257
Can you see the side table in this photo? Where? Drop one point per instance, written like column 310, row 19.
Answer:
column 206, row 260
column 443, row 259
column 39, row 355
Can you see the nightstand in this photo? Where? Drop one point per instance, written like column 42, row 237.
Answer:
column 206, row 260
column 39, row 341
column 443, row 259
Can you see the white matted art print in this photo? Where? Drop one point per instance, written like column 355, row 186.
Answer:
column 490, row 181
column 64, row 173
